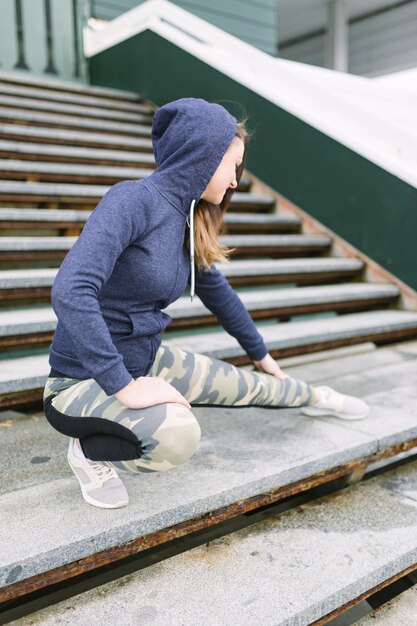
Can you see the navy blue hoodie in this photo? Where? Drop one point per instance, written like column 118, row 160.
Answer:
column 130, row 261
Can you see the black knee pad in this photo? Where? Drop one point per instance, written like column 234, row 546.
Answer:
column 83, row 426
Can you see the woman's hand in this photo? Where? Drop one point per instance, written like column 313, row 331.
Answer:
column 148, row 391
column 270, row 366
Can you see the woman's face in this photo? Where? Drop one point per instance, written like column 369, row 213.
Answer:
column 225, row 175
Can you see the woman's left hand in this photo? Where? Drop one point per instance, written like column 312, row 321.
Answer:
column 270, row 366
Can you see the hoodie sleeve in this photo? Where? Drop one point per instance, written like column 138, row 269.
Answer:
column 219, row 297
column 110, row 228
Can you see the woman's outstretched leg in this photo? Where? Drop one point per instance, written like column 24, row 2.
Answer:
column 204, row 380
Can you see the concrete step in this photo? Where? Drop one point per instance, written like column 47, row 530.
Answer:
column 400, row 610
column 68, row 172
column 37, row 325
column 35, row 93
column 71, row 121
column 294, row 337
column 73, row 154
column 25, row 249
column 219, row 482
column 20, row 285
column 39, row 218
column 291, row 569
column 26, row 375
column 74, row 193
column 74, row 138
column 80, row 110
column 52, row 86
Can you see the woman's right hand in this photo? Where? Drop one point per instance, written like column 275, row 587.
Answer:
column 148, row 391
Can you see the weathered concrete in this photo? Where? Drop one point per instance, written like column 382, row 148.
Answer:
column 75, row 136
column 243, row 452
column 43, row 319
column 95, row 154
column 9, row 100
column 279, row 572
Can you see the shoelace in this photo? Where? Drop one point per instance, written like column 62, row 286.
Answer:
column 103, row 472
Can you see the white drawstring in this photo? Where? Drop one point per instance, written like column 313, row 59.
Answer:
column 190, row 222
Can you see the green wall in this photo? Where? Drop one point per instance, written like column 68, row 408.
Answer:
column 360, row 201
column 253, row 22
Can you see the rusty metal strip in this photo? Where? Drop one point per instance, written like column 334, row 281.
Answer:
column 363, row 596
column 90, row 563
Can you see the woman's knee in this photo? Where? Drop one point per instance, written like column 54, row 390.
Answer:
column 178, row 436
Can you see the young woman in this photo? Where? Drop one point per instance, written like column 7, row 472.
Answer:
column 123, row 397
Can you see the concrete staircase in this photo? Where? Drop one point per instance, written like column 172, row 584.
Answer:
column 329, row 314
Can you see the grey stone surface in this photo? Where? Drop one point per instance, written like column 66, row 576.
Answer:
column 9, row 100
column 58, row 215
column 30, row 372
column 75, row 136
column 400, row 611
column 289, row 570
column 30, row 277
column 50, row 215
column 13, row 279
column 75, row 88
column 278, row 336
column 35, row 243
column 79, row 121
column 260, row 218
column 42, row 319
column 272, row 240
column 243, row 452
column 23, row 373
column 268, row 298
column 288, row 266
column 36, row 167
column 86, row 99
column 95, row 154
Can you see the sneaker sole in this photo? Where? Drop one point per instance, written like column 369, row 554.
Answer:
column 343, row 416
column 90, row 500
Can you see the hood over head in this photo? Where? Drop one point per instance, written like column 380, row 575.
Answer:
column 190, row 136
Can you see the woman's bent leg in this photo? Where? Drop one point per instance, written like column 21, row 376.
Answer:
column 204, row 380
column 157, row 438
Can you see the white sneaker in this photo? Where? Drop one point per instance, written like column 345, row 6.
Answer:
column 100, row 484
column 337, row 404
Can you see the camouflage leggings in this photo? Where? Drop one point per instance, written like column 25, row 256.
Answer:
column 166, row 435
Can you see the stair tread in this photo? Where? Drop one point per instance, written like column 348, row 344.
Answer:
column 8, row 100
column 57, row 85
column 59, row 215
column 76, row 189
column 45, row 276
column 279, row 571
column 274, row 459
column 33, row 167
column 76, row 121
column 220, row 344
column 42, row 319
column 94, row 154
column 31, row 372
column 65, row 243
column 78, row 98
column 62, row 134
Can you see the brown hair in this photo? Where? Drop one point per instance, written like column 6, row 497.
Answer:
column 208, row 219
